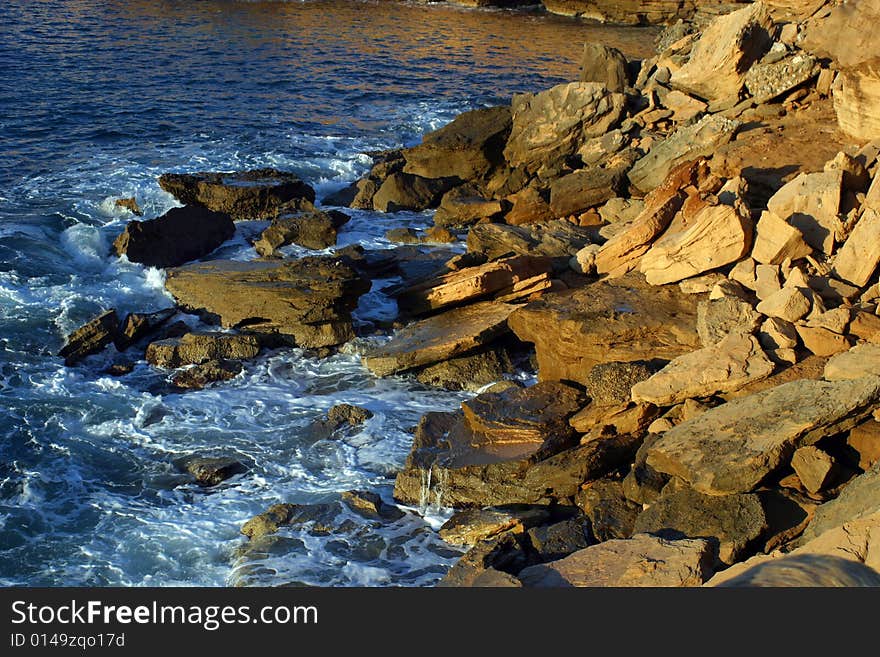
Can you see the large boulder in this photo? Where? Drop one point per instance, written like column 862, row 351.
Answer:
column 601, row 63
column 90, row 338
column 405, row 191
column 732, row 448
column 307, row 302
column 621, row 319
column 642, row 560
column 496, row 278
column 313, row 230
column 811, row 203
column 551, row 125
column 724, row 53
column 469, row 372
column 254, row 194
column 448, row 335
column 464, row 206
column 468, row 148
column 734, row 521
column 178, row 236
column 585, row 188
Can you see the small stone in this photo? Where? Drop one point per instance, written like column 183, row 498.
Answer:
column 777, row 240
column 210, row 471
column 776, row 333
column 813, row 467
column 789, row 303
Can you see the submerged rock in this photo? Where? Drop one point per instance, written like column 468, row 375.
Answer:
column 254, row 194
column 178, row 236
column 203, row 374
column 90, row 338
column 307, row 301
column 210, row 471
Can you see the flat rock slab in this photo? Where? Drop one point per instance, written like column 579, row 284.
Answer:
column 857, row 259
column 255, row 194
column 622, row 319
column 306, row 301
column 733, row 447
column 470, row 526
column 734, row 521
column 451, row 334
column 733, row 363
column 860, row 498
column 495, row 278
column 178, row 236
column 642, row 560
column 860, row 361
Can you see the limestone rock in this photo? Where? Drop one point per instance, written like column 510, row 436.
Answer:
column 129, row 204
column 178, row 236
column 600, row 63
column 611, row 514
column 769, row 80
column 734, row 521
column 313, row 230
column 684, row 107
column 776, row 240
column 776, row 333
column 488, row 561
column 643, row 484
column 613, row 320
column 687, row 143
column 307, row 301
column 552, row 124
column 255, row 194
column 560, row 539
column 90, row 338
column 621, row 253
column 717, row 318
column 470, row 526
column 470, row 372
column 404, row 191
column 856, row 92
column 724, row 52
column 448, row 335
column 642, row 560
column 136, row 326
column 858, row 258
column 859, row 498
column 495, row 278
column 822, row 341
column 811, row 203
column 468, row 148
column 732, row 448
column 464, row 206
column 731, row 364
column 860, row 361
column 551, row 239
column 582, row 189
column 813, row 467
column 719, row 235
column 196, row 348
column 369, row 505
column 864, row 439
column 789, row 304
column 530, row 205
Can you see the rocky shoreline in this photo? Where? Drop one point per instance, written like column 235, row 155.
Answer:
column 685, row 249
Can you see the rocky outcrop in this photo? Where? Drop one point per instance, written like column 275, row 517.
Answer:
column 178, row 236
column 553, row 239
column 550, row 126
column 211, row 470
column 603, row 64
column 313, row 230
column 724, row 53
column 624, row 12
column 642, row 560
column 204, row 374
column 137, row 326
column 90, row 338
column 468, row 148
column 613, row 320
column 439, row 338
column 307, row 302
column 509, row 278
column 254, row 194
column 197, row 348
column 734, row 447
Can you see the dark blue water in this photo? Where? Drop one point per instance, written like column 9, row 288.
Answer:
column 97, row 99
